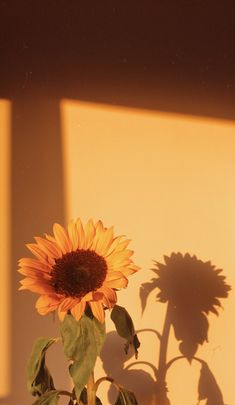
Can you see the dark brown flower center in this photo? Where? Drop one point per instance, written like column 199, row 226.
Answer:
column 77, row 273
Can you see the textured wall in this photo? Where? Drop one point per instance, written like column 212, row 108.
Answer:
column 165, row 181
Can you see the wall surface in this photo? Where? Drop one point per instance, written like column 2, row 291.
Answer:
column 164, row 55
column 36, row 187
column 5, row 301
column 164, row 180
column 167, row 182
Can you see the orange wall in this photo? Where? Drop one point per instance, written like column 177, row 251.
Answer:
column 4, row 246
column 167, row 182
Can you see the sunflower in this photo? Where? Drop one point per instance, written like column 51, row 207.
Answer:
column 77, row 268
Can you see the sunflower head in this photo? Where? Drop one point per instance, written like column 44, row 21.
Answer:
column 77, row 269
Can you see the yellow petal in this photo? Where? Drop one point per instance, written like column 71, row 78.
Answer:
column 116, row 241
column 78, row 310
column 34, row 273
column 119, row 258
column 61, row 315
column 73, row 234
column 99, row 230
column 99, row 227
column 89, row 231
column 88, row 296
column 47, row 303
column 34, row 264
column 42, row 256
column 50, row 238
column 104, row 241
column 81, row 235
column 128, row 270
column 62, row 238
column 97, row 310
column 120, row 282
column 67, row 304
column 36, row 286
column 113, row 275
column 106, row 302
column 109, row 296
column 51, row 249
column 122, row 245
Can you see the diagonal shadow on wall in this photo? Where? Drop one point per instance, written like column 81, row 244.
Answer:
column 37, row 197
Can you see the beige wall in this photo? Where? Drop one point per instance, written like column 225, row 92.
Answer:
column 36, row 203
column 5, row 116
column 167, row 182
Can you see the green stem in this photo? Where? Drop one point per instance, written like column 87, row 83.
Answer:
column 66, row 393
column 91, row 392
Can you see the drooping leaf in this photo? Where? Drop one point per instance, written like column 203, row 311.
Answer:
column 125, row 327
column 39, row 379
column 191, row 328
column 71, row 332
column 208, row 387
column 126, row 397
column 49, row 398
column 82, row 341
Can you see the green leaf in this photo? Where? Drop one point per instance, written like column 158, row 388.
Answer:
column 126, row 398
column 49, row 398
column 208, row 387
column 39, row 379
column 125, row 328
column 82, row 341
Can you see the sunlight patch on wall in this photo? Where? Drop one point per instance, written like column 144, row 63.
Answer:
column 167, row 182
column 5, row 108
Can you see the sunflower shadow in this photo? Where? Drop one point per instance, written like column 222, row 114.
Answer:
column 191, row 289
column 138, row 381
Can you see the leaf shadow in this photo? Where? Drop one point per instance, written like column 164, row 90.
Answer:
column 139, row 381
column 208, row 387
